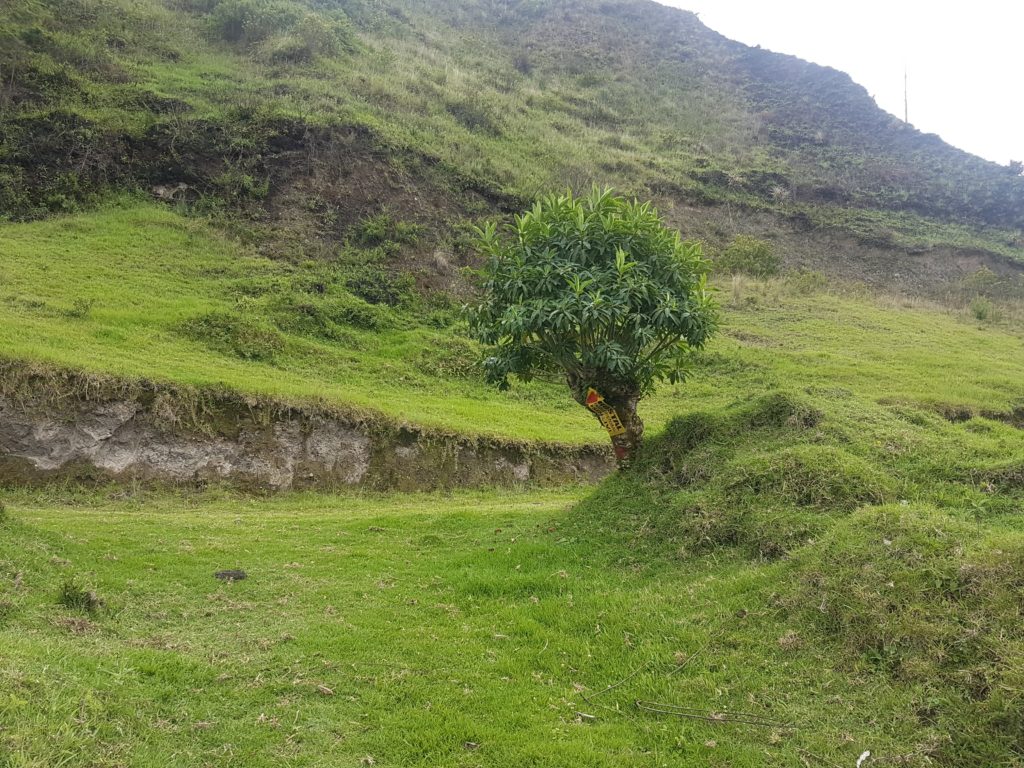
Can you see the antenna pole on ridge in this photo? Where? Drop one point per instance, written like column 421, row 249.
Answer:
column 906, row 107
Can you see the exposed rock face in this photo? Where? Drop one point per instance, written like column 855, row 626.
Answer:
column 259, row 446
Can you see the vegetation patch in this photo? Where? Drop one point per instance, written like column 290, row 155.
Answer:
column 75, row 597
column 934, row 602
column 236, row 334
column 824, row 477
column 749, row 256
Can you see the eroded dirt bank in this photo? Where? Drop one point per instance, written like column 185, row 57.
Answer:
column 63, row 425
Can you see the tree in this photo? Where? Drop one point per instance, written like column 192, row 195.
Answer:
column 597, row 290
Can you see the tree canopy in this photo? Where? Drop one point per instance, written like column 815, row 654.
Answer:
column 595, row 289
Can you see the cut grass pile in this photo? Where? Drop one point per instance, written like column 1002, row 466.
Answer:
column 136, row 290
column 474, row 629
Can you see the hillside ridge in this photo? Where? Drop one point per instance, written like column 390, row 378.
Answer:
column 283, row 113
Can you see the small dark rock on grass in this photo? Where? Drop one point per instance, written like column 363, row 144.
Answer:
column 233, row 575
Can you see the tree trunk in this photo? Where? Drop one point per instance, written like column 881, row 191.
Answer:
column 628, row 442
column 626, row 428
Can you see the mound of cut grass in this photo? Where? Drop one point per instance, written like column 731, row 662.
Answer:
column 935, row 603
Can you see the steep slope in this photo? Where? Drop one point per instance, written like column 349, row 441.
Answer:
column 307, row 116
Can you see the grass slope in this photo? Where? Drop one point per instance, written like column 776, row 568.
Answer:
column 510, row 98
column 136, row 290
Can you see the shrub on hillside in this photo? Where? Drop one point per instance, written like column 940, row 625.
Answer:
column 749, row 256
column 323, row 317
column 283, row 30
column 376, row 285
column 984, row 310
column 252, row 21
column 312, row 35
column 381, row 229
column 235, row 334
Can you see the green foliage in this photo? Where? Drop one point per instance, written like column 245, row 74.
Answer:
column 983, row 309
column 381, row 230
column 749, row 256
column 596, row 287
column 283, row 29
column 235, row 333
column 322, row 317
column 252, row 21
column 376, row 285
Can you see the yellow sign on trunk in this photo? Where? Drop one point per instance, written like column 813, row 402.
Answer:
column 605, row 413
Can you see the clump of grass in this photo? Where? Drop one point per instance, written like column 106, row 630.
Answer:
column 749, row 256
column 80, row 309
column 455, row 358
column 77, row 598
column 382, row 230
column 984, row 310
column 780, row 409
column 824, row 477
column 4, row 517
column 234, row 333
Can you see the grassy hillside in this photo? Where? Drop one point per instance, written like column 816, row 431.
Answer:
column 291, row 112
column 136, row 290
column 823, row 531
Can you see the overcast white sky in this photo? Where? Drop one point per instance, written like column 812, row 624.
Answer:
column 963, row 60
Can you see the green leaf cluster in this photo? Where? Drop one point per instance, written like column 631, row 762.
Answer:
column 593, row 287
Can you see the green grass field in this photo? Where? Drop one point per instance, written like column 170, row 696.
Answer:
column 409, row 631
column 827, row 535
column 123, row 290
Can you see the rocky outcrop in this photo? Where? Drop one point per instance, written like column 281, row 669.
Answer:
column 151, row 433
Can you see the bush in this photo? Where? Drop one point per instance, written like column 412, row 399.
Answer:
column 360, row 314
column 235, row 334
column 376, row 286
column 80, row 309
column 750, row 256
column 984, row 310
column 252, row 21
column 284, row 30
column 321, row 318
column 381, row 229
